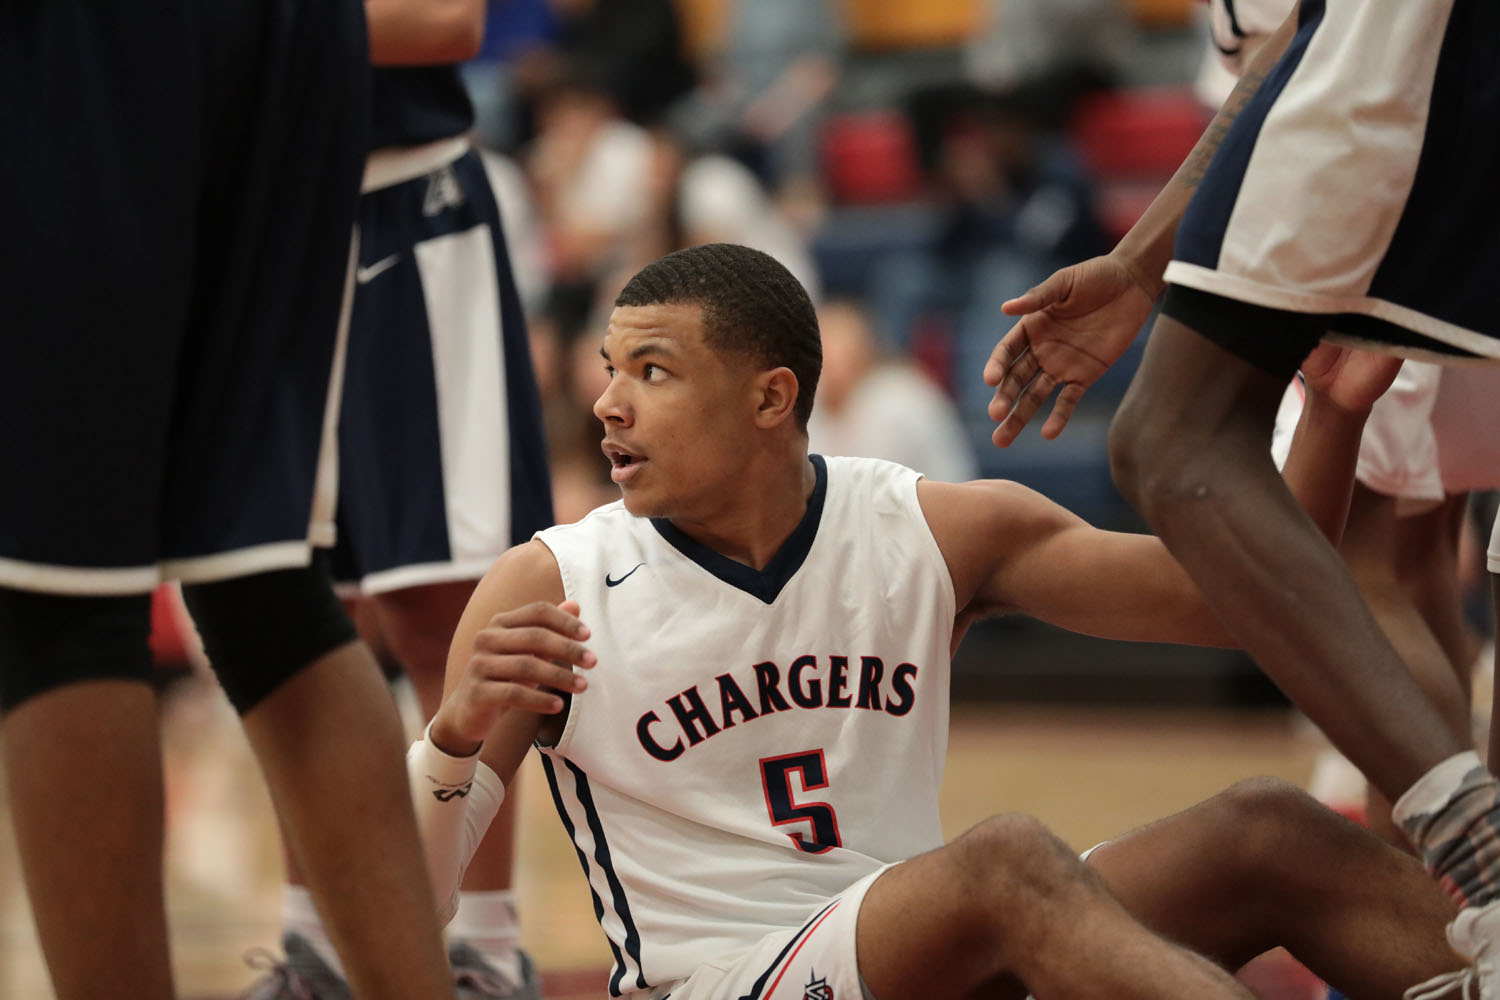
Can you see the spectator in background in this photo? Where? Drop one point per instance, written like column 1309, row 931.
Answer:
column 1060, row 48
column 590, row 170
column 1011, row 205
column 763, row 99
column 632, row 49
column 875, row 407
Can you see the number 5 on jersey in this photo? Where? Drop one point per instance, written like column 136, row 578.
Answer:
column 775, row 776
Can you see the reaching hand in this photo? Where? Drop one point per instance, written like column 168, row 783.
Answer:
column 1073, row 327
column 1348, row 378
column 514, row 665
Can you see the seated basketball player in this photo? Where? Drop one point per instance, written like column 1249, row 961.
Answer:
column 748, row 736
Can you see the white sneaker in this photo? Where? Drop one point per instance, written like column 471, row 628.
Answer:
column 1474, row 934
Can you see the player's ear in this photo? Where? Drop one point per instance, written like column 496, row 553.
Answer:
column 775, row 396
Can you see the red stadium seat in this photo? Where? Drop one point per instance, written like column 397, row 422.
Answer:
column 1132, row 141
column 870, row 158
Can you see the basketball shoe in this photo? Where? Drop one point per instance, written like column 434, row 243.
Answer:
column 1475, row 935
column 302, row 975
column 476, row 979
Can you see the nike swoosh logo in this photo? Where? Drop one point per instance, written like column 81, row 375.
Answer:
column 615, row 583
column 365, row 275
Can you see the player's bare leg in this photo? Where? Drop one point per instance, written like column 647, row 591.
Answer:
column 1190, row 448
column 1375, row 545
column 1427, row 563
column 1264, row 865
column 349, row 822
column 1009, row 904
column 417, row 625
column 83, row 770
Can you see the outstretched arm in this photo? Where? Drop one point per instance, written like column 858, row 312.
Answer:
column 1011, row 549
column 508, row 667
column 1080, row 320
column 424, row 32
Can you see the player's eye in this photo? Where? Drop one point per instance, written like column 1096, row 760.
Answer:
column 609, row 370
column 651, row 371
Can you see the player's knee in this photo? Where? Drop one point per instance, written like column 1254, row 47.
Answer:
column 260, row 631
column 1154, row 461
column 1264, row 821
column 48, row 641
column 1017, row 856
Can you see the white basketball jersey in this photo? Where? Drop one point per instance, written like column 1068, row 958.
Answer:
column 752, row 741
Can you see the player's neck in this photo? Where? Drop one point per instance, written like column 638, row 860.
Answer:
column 754, row 524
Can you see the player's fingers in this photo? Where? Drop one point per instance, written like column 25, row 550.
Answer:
column 1013, row 383
column 1026, row 406
column 1062, row 410
column 502, row 694
column 530, row 671
column 1014, row 345
column 536, row 640
column 554, row 616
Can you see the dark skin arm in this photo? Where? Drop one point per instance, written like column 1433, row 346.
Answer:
column 1079, row 321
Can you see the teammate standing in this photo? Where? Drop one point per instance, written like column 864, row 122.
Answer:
column 748, row 757
column 179, row 186
column 442, row 462
column 1343, row 189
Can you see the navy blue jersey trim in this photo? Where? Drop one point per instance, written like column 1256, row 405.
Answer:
column 583, row 861
column 622, row 905
column 1200, row 237
column 760, row 983
column 762, row 584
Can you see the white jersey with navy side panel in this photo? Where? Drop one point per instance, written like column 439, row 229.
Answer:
column 752, row 742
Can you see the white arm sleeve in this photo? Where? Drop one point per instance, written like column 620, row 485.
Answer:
column 456, row 799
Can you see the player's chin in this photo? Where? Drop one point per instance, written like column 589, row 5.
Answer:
column 642, row 503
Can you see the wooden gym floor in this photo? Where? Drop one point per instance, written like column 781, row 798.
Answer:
column 1089, row 773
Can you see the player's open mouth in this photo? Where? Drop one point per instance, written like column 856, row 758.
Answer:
column 623, row 464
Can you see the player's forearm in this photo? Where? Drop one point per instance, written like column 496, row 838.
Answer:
column 455, row 798
column 1320, row 467
column 424, row 32
column 1147, row 248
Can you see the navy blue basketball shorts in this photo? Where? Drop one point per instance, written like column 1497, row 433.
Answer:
column 178, row 185
column 1355, row 195
column 442, row 463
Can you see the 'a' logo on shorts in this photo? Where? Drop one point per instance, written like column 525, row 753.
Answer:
column 818, row 989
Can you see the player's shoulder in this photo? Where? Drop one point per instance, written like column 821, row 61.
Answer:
column 982, row 506
column 524, row 573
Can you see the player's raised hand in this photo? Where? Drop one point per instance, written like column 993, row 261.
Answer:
column 519, row 660
column 1350, row 379
column 1073, row 326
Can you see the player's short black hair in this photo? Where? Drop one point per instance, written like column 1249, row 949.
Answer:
column 751, row 305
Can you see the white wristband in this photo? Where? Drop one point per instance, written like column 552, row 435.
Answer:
column 456, row 799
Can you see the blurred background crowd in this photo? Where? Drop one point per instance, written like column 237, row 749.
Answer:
column 914, row 164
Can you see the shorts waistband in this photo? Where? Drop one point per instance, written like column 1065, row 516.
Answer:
column 387, row 167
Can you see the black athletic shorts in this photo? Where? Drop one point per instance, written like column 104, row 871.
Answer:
column 178, row 182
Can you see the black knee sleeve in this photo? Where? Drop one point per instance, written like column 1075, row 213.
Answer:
column 1274, row 340
column 260, row 631
column 49, row 640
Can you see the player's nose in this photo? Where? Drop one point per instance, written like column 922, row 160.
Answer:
column 611, row 406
